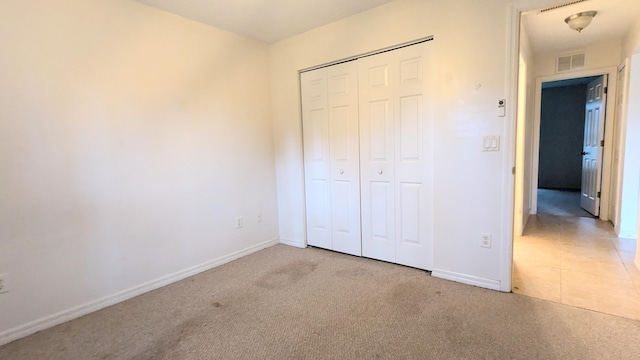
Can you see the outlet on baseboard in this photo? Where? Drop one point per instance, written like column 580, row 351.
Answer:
column 485, row 240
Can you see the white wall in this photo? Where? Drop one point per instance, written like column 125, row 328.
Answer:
column 524, row 135
column 129, row 141
column 631, row 177
column 597, row 56
column 631, row 42
column 469, row 75
column 631, row 49
column 630, row 143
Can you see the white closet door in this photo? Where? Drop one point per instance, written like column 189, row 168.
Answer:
column 413, row 158
column 396, row 157
column 375, row 74
column 345, row 160
column 317, row 158
column 331, row 157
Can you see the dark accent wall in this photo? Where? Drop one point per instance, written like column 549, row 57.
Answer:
column 561, row 134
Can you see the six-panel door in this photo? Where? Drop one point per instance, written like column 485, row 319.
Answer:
column 396, row 157
column 332, row 170
column 368, row 157
column 591, row 149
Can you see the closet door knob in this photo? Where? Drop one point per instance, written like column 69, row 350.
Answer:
column 341, row 171
column 380, row 171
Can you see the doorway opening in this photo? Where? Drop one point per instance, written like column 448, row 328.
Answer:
column 568, row 251
column 569, row 165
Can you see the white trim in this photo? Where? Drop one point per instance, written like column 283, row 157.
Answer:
column 468, row 279
column 75, row 312
column 298, row 244
column 509, row 152
column 626, row 235
column 622, row 125
column 607, row 153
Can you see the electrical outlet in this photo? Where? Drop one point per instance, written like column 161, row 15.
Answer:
column 485, row 240
column 3, row 284
column 239, row 222
column 259, row 217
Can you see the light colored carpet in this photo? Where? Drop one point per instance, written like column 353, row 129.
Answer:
column 288, row 303
column 560, row 203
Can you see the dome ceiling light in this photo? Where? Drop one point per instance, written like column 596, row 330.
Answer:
column 580, row 20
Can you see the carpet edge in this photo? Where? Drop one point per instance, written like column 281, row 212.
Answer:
column 75, row 312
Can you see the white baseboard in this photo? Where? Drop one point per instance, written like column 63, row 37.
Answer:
column 467, row 279
column 75, row 312
column 297, row 244
column 627, row 235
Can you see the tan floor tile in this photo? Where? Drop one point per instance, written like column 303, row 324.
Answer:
column 628, row 245
column 634, row 274
column 628, row 257
column 613, row 296
column 587, row 241
column 533, row 256
column 585, row 253
column 540, row 282
column 539, row 244
column 611, row 269
column 579, row 262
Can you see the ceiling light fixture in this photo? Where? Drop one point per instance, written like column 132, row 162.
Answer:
column 580, row 20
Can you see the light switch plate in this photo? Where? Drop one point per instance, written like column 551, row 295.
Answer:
column 491, row 143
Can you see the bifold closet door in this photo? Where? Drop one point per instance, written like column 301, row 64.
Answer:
column 331, row 157
column 396, row 157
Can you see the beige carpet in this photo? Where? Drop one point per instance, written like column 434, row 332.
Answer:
column 288, row 303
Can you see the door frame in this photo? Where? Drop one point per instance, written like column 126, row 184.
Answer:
column 620, row 140
column 609, row 122
column 515, row 8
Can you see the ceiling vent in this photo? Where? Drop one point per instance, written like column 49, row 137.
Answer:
column 560, row 6
column 570, row 62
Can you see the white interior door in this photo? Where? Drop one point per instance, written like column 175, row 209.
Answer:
column 317, row 157
column 396, row 157
column 592, row 149
column 413, row 158
column 377, row 155
column 345, row 161
column 331, row 157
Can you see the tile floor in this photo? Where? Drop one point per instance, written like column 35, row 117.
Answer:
column 577, row 261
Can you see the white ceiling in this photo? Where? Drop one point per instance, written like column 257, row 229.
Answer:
column 549, row 33
column 265, row 20
column 274, row 20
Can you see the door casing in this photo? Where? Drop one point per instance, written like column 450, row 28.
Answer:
column 612, row 72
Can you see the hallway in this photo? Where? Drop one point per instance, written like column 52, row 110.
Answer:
column 577, row 261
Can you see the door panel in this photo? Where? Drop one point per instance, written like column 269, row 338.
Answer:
column 410, row 213
column 396, row 157
column 410, row 128
column 379, row 243
column 592, row 151
column 414, row 159
column 316, row 158
column 345, row 159
column 377, row 156
column 331, row 148
column 342, row 207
